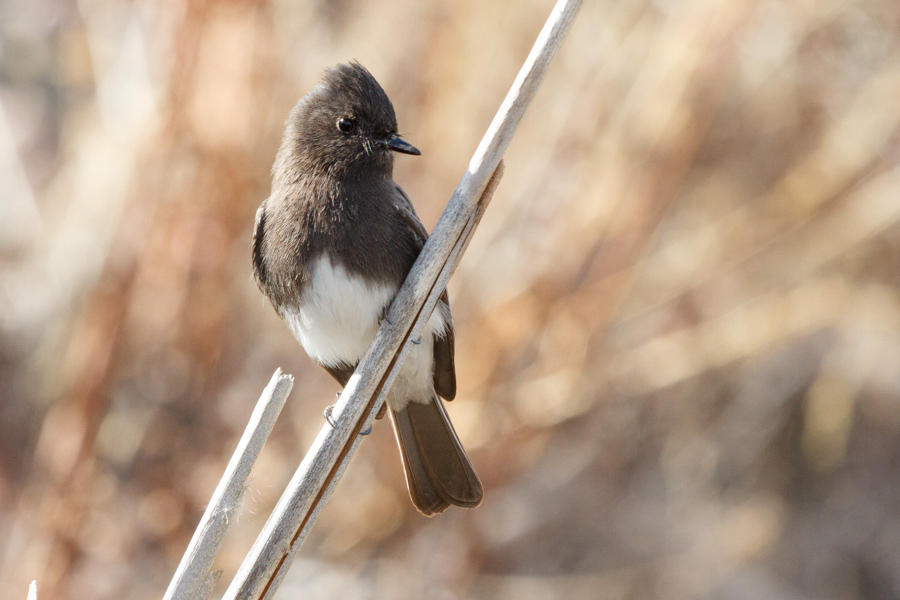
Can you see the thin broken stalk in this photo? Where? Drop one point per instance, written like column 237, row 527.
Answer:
column 193, row 572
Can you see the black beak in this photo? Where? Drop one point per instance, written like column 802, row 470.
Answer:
column 398, row 144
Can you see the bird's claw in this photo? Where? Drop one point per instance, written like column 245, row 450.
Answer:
column 330, row 420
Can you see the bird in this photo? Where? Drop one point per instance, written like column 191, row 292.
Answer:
column 333, row 243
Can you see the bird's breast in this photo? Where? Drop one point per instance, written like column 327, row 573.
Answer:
column 338, row 313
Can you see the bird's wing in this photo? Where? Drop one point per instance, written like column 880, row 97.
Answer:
column 405, row 207
column 259, row 267
column 444, row 367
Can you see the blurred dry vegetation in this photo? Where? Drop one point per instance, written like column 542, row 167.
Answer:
column 678, row 327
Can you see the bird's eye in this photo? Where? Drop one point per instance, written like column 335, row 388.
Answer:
column 346, row 125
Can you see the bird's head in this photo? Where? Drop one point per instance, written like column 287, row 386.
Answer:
column 345, row 127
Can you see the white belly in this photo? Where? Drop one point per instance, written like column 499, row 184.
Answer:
column 336, row 321
column 338, row 314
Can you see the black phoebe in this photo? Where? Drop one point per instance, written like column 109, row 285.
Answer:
column 332, row 245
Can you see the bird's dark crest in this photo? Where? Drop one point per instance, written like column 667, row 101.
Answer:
column 367, row 100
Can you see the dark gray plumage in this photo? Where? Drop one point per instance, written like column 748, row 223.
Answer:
column 332, row 245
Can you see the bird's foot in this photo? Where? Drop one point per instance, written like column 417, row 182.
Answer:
column 330, row 420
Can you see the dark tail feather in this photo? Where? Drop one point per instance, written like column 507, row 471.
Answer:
column 438, row 472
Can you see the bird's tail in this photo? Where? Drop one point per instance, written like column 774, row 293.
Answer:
column 438, row 472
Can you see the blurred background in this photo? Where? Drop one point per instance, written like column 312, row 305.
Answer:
column 678, row 326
